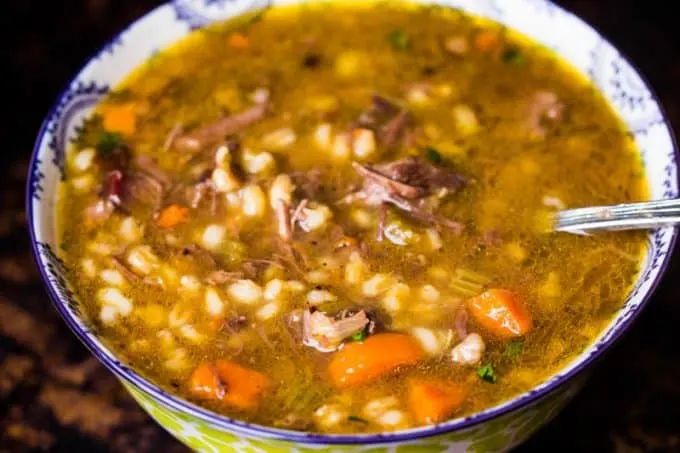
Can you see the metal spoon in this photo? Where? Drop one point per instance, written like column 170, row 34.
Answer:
column 628, row 216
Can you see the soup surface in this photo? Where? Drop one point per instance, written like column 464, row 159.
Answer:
column 332, row 218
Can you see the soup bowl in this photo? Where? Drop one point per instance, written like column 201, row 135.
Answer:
column 498, row 428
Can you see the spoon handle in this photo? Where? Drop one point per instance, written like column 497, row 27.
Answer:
column 628, row 216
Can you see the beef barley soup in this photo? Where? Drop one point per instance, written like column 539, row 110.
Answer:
column 300, row 225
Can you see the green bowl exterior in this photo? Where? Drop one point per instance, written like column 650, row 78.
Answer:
column 498, row 435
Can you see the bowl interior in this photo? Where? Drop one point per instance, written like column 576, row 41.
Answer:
column 556, row 28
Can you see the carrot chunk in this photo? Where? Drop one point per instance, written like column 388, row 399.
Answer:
column 501, row 312
column 206, row 383
column 244, row 387
column 239, row 41
column 486, row 41
column 434, row 400
column 359, row 363
column 172, row 216
column 230, row 383
column 121, row 118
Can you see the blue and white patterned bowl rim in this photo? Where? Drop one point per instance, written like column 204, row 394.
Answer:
column 560, row 30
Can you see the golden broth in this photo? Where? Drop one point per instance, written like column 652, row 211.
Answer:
column 472, row 90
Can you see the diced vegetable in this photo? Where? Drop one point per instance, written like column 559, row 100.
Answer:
column 400, row 40
column 354, row 418
column 360, row 363
column 501, row 312
column 172, row 216
column 359, row 336
column 487, row 373
column 468, row 283
column 205, row 382
column 230, row 383
column 244, row 386
column 434, row 400
column 513, row 55
column 433, row 155
column 120, row 118
column 239, row 41
column 108, row 141
column 486, row 41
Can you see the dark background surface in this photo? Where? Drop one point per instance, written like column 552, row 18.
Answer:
column 54, row 397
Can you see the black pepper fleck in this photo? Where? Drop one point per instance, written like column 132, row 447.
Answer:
column 311, row 61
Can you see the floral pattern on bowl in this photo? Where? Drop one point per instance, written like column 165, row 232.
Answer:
column 496, row 429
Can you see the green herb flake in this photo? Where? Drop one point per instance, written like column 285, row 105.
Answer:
column 354, row 418
column 433, row 155
column 513, row 349
column 486, row 373
column 513, row 55
column 108, row 141
column 359, row 336
column 400, row 40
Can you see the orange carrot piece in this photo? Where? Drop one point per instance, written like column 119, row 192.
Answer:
column 434, row 400
column 244, row 387
column 206, row 383
column 239, row 41
column 501, row 312
column 228, row 382
column 121, row 118
column 359, row 363
column 172, row 216
column 486, row 41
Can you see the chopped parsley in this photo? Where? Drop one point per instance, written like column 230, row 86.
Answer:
column 354, row 418
column 400, row 40
column 109, row 141
column 513, row 55
column 433, row 155
column 513, row 349
column 359, row 336
column 486, row 373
